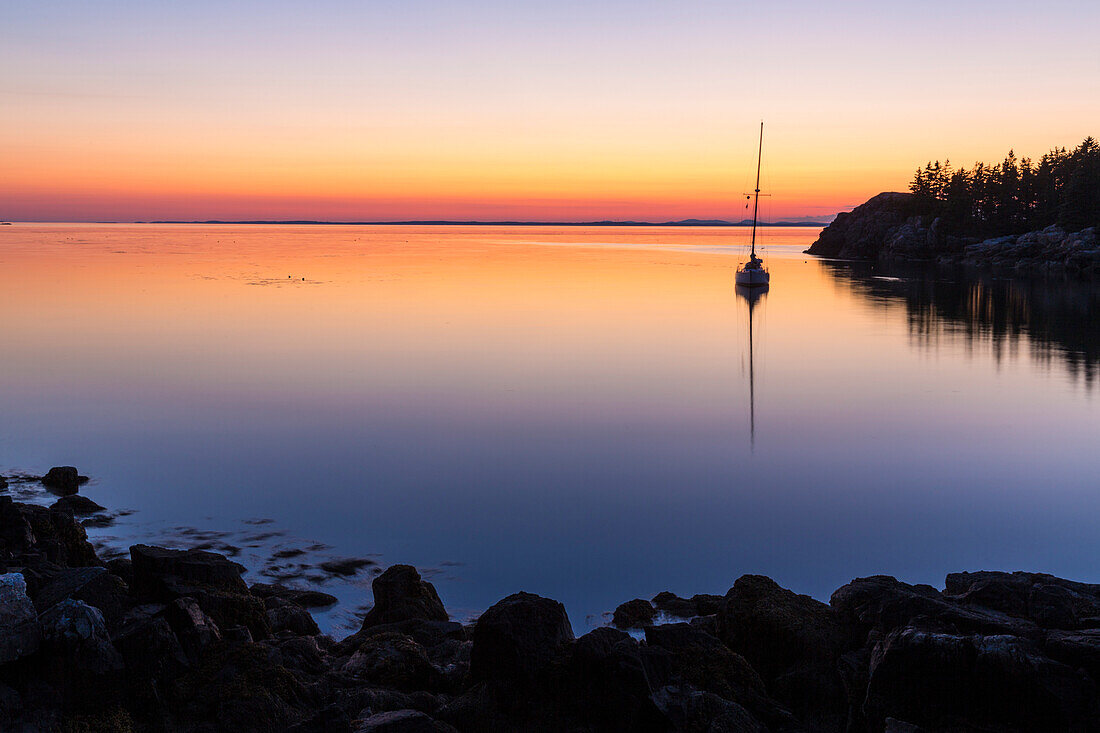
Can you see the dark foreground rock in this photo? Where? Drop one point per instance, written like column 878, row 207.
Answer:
column 891, row 226
column 400, row 595
column 306, row 598
column 20, row 632
column 635, row 614
column 176, row 641
column 63, row 480
column 30, row 534
column 77, row 504
column 518, row 637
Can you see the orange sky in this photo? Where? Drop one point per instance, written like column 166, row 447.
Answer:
column 551, row 111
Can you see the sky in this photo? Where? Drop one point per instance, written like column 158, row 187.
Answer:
column 555, row 111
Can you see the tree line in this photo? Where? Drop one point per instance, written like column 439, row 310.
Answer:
column 1015, row 196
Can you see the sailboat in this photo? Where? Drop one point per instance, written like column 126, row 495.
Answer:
column 753, row 274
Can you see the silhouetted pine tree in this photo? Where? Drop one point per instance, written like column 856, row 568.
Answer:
column 1014, row 196
column 1080, row 204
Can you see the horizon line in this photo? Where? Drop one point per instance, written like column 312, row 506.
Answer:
column 825, row 221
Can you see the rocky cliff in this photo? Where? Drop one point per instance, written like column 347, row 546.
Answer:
column 862, row 232
column 1052, row 250
column 891, row 226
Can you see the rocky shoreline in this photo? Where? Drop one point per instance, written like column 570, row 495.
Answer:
column 891, row 226
column 176, row 640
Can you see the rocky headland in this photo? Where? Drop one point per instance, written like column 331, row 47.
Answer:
column 895, row 226
column 177, row 640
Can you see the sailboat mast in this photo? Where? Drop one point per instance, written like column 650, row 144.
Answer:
column 756, row 202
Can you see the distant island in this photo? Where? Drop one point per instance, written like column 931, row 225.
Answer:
column 1027, row 217
column 448, row 222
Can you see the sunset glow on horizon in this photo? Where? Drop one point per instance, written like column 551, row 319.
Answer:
column 559, row 111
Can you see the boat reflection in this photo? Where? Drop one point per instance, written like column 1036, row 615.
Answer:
column 1055, row 320
column 753, row 295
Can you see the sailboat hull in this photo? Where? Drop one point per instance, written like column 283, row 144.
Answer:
column 753, row 278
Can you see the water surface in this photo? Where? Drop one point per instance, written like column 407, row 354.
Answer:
column 558, row 410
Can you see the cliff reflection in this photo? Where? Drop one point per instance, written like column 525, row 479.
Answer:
column 1053, row 320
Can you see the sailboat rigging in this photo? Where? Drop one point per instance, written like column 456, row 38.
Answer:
column 753, row 274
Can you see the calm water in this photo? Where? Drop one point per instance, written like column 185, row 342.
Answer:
column 558, row 410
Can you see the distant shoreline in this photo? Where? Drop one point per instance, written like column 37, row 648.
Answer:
column 442, row 222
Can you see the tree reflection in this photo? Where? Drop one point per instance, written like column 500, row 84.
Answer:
column 1054, row 320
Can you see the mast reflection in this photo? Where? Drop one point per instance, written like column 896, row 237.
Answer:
column 753, row 296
